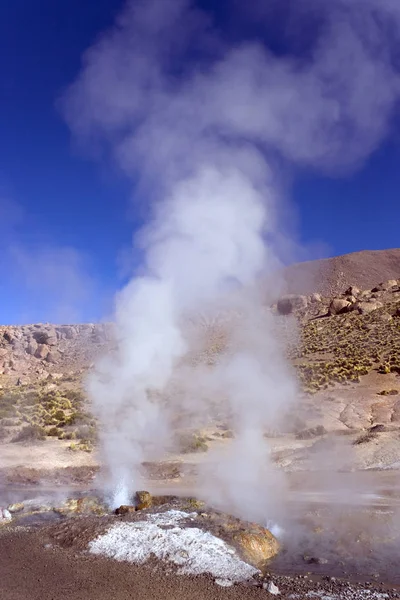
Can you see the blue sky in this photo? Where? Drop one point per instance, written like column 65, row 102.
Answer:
column 66, row 220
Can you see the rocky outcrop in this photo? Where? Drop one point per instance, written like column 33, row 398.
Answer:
column 291, row 303
column 362, row 302
column 31, row 352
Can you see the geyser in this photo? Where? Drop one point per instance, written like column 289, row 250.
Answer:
column 206, row 129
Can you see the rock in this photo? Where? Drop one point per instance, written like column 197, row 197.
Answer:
column 42, row 351
column 224, row 582
column 315, row 560
column 391, row 283
column 257, row 547
column 310, row 433
column 386, row 317
column 17, row 346
column 86, row 505
column 5, row 516
column 46, row 337
column 271, row 588
column 352, row 291
column 91, row 505
column 379, row 428
column 339, row 306
column 53, row 357
column 351, row 299
column 385, row 285
column 125, row 509
column 16, row 508
column 143, row 500
column 8, row 336
column 50, row 387
column 315, row 298
column 67, row 331
column 365, row 308
column 290, row 303
column 32, row 347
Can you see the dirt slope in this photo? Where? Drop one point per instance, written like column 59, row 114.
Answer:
column 331, row 276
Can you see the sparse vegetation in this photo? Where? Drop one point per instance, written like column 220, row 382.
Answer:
column 56, row 413
column 343, row 348
column 192, row 442
column 30, row 433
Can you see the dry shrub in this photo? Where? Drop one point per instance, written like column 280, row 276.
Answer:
column 192, row 442
column 30, row 433
column 87, row 434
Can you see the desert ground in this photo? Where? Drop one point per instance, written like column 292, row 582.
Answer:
column 338, row 451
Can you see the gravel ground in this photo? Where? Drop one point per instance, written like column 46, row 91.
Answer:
column 31, row 569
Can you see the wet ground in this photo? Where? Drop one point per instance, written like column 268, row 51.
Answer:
column 346, row 525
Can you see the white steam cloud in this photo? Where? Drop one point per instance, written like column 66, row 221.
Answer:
column 205, row 129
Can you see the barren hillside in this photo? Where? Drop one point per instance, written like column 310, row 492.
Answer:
column 346, row 358
column 331, row 276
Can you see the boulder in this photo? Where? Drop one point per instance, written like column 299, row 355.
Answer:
column 365, row 295
column 339, row 306
column 16, row 508
column 257, row 547
column 42, row 351
column 5, row 516
column 8, row 336
column 385, row 285
column 291, row 303
column 46, row 337
column 365, row 308
column 352, row 291
column 87, row 505
column 67, row 331
column 143, row 500
column 391, row 283
column 32, row 347
column 125, row 509
column 53, row 357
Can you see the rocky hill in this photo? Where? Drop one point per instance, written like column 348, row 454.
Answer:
column 331, row 287
column 346, row 357
column 33, row 352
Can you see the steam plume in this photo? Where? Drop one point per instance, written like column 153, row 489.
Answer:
column 206, row 129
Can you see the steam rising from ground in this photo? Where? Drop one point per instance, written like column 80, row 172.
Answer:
column 206, row 129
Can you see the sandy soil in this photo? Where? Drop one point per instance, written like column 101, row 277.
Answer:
column 49, row 454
